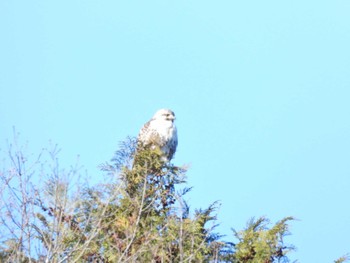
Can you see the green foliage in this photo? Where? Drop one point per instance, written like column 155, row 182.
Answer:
column 258, row 243
column 138, row 215
column 342, row 259
column 150, row 220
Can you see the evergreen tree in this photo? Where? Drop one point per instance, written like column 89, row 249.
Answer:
column 138, row 215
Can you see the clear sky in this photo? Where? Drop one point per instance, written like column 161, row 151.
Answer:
column 261, row 91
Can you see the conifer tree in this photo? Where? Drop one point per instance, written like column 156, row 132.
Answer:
column 139, row 214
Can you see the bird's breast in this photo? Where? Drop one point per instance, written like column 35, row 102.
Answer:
column 166, row 131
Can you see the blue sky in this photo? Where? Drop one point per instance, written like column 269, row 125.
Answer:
column 260, row 89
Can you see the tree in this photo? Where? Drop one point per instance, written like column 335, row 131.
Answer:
column 139, row 215
column 258, row 243
column 342, row 259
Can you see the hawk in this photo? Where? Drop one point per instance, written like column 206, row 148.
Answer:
column 160, row 131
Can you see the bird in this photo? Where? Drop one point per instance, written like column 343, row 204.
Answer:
column 160, row 131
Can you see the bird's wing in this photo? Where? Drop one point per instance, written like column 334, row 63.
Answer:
column 144, row 132
column 172, row 146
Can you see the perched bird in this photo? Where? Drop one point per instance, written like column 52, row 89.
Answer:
column 160, row 132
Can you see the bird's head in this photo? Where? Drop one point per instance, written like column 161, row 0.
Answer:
column 164, row 114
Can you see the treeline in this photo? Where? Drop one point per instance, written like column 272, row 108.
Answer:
column 139, row 214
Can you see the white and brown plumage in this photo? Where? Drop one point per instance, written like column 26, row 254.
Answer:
column 160, row 132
